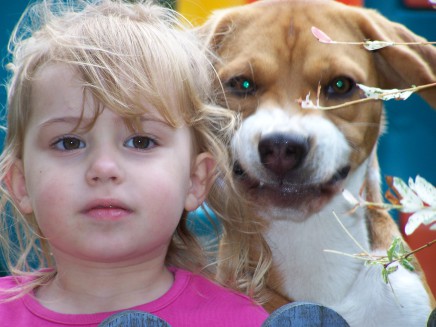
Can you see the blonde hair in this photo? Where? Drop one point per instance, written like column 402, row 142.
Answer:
column 127, row 52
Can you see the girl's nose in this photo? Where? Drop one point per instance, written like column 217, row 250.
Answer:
column 103, row 168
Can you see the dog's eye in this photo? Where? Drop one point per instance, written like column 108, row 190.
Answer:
column 241, row 86
column 340, row 86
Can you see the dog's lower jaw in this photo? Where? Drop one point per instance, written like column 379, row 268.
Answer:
column 295, row 201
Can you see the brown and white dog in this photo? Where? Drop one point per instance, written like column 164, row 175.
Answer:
column 293, row 163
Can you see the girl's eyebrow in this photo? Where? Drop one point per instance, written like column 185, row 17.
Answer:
column 71, row 120
column 76, row 121
column 66, row 120
column 155, row 119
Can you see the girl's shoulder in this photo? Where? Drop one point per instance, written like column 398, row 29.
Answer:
column 218, row 292
column 10, row 286
column 13, row 281
column 217, row 302
column 8, row 282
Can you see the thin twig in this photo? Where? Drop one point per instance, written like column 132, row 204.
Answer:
column 387, row 42
column 351, row 236
column 420, row 248
column 354, row 256
column 370, row 45
column 378, row 98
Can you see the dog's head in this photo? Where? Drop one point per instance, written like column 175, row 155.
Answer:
column 294, row 159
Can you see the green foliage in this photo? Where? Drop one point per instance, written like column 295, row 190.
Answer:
column 397, row 254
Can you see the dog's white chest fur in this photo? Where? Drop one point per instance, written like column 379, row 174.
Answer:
column 305, row 242
column 344, row 284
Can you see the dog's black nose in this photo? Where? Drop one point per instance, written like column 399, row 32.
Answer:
column 281, row 153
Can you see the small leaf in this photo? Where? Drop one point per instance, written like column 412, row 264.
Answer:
column 406, row 264
column 320, row 35
column 424, row 190
column 425, row 216
column 387, row 271
column 375, row 45
column 392, row 269
column 385, row 275
column 393, row 249
column 401, row 251
column 371, row 263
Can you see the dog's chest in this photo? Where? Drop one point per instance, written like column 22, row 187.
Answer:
column 299, row 249
column 308, row 271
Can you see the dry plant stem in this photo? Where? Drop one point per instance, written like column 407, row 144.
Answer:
column 324, row 38
column 391, row 43
column 365, row 256
column 379, row 97
column 351, row 236
column 384, row 206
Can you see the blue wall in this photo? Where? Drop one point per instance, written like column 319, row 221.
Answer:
column 9, row 15
column 409, row 146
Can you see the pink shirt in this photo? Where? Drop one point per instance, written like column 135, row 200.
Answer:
column 192, row 301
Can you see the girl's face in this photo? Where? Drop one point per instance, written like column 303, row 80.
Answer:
column 104, row 194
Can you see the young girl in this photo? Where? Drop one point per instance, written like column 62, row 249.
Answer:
column 112, row 140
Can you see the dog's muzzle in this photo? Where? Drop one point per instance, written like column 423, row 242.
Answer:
column 282, row 153
column 290, row 179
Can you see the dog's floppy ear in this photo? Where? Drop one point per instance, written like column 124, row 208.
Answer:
column 401, row 66
column 215, row 29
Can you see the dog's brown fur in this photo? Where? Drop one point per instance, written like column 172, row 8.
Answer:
column 270, row 44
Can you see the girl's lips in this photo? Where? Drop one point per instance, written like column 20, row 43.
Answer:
column 106, row 210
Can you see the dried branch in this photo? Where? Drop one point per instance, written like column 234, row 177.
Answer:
column 371, row 93
column 368, row 44
column 419, row 197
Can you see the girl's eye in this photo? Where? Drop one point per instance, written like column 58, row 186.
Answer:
column 68, row 144
column 140, row 142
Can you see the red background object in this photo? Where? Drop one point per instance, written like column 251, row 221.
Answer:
column 352, row 2
column 417, row 4
column 427, row 257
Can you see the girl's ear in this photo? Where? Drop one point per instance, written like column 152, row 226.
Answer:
column 201, row 180
column 16, row 185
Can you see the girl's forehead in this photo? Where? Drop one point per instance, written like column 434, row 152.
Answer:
column 56, row 88
column 52, row 74
column 59, row 89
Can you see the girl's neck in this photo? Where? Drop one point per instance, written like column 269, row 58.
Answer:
column 102, row 288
